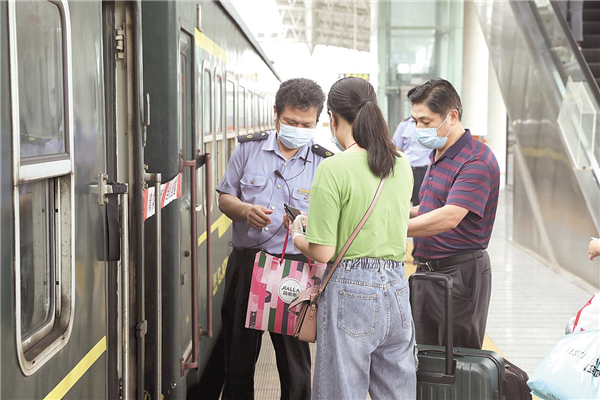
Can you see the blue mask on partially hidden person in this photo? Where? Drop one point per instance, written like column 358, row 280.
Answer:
column 336, row 142
column 429, row 138
column 293, row 137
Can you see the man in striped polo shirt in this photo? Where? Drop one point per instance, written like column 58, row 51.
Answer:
column 453, row 223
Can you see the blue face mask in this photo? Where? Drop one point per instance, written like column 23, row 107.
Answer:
column 429, row 138
column 335, row 141
column 293, row 137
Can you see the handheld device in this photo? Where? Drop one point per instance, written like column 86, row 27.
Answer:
column 292, row 212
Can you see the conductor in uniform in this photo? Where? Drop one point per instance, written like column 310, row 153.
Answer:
column 265, row 171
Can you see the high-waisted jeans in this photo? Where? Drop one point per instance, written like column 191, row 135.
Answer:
column 365, row 334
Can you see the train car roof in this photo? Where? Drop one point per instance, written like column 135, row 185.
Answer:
column 230, row 9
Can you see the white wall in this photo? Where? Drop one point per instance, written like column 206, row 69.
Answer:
column 484, row 112
column 475, row 74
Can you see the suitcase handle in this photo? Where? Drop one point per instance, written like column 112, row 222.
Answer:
column 433, row 276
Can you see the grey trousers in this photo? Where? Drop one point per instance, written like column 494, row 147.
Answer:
column 472, row 287
column 575, row 8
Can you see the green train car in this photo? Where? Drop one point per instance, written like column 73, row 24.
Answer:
column 117, row 122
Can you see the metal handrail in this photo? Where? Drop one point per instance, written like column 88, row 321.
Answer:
column 201, row 160
column 193, row 165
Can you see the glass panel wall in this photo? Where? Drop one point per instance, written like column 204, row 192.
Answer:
column 418, row 40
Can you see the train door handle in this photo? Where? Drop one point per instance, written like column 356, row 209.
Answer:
column 157, row 332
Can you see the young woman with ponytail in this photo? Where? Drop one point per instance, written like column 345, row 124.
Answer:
column 365, row 334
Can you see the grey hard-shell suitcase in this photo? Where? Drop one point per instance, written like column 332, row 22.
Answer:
column 448, row 373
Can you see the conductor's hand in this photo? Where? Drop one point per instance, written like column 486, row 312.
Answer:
column 594, row 249
column 258, row 216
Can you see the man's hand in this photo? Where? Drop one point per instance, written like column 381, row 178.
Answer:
column 594, row 249
column 258, row 216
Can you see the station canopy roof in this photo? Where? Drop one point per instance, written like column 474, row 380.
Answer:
column 327, row 22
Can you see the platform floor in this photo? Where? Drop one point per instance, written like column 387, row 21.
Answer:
column 530, row 306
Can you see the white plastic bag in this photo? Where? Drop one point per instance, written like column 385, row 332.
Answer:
column 587, row 318
column 571, row 370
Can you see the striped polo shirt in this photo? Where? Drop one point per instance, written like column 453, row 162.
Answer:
column 467, row 175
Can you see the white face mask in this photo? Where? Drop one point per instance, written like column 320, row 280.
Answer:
column 293, row 137
column 429, row 138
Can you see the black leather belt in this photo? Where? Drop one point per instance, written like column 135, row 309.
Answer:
column 420, row 168
column 442, row 263
column 247, row 252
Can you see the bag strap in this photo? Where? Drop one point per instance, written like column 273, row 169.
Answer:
column 351, row 238
column 285, row 243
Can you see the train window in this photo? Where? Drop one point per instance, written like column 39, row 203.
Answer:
column 230, row 108
column 242, row 108
column 257, row 112
column 270, row 114
column 36, row 224
column 41, row 95
column 220, row 145
column 218, row 105
column 207, row 103
column 230, row 118
column 250, row 111
column 43, row 193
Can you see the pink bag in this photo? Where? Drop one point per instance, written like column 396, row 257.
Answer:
column 275, row 283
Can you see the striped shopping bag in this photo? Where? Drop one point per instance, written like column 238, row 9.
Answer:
column 275, row 284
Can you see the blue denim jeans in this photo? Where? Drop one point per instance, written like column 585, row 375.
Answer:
column 365, row 334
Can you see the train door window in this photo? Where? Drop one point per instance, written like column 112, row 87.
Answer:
column 250, row 111
column 242, row 109
column 42, row 117
column 185, row 108
column 230, row 117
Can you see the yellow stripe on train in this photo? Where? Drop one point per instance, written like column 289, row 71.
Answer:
column 211, row 47
column 222, row 224
column 76, row 373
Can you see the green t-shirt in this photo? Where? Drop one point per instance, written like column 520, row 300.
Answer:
column 341, row 193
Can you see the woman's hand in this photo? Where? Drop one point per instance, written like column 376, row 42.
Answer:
column 297, row 229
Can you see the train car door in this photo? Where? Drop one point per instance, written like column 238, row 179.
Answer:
column 187, row 206
column 123, row 99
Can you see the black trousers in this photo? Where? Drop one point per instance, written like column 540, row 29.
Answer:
column 418, row 175
column 242, row 345
column 472, row 287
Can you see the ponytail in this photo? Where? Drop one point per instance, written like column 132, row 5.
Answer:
column 354, row 99
column 370, row 132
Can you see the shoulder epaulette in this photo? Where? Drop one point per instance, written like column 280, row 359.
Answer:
column 321, row 151
column 252, row 137
column 33, row 140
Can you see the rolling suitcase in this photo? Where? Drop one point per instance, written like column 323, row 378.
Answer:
column 456, row 373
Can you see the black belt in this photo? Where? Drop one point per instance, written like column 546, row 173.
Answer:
column 247, row 252
column 420, row 168
column 442, row 263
